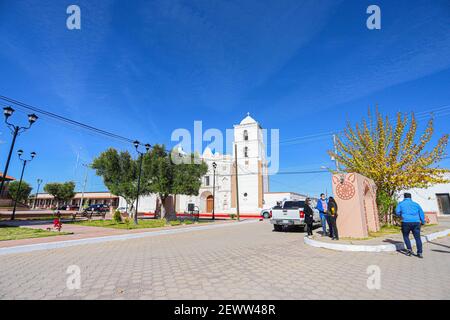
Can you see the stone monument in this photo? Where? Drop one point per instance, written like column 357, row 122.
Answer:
column 355, row 196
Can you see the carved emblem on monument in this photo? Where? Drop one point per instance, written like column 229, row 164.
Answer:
column 345, row 189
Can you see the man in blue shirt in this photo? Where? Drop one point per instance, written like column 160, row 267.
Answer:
column 322, row 206
column 412, row 218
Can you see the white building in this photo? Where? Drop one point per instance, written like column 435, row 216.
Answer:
column 434, row 199
column 253, row 179
column 272, row 198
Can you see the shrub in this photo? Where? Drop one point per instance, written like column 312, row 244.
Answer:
column 232, row 216
column 188, row 222
column 386, row 206
column 117, row 217
column 127, row 221
column 175, row 222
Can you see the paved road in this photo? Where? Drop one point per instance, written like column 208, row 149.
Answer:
column 246, row 261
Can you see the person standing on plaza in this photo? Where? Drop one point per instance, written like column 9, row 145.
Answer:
column 309, row 218
column 412, row 218
column 322, row 206
column 331, row 217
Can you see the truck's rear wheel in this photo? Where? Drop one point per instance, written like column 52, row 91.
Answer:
column 277, row 227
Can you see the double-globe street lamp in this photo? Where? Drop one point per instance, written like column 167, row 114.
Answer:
column 214, row 164
column 24, row 161
column 141, row 155
column 7, row 112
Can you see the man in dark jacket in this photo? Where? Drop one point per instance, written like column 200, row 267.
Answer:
column 332, row 216
column 309, row 216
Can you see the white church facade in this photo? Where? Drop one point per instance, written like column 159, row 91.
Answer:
column 253, row 180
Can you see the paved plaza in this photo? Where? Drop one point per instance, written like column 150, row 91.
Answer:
column 240, row 261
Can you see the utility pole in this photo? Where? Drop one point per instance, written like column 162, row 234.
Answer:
column 39, row 181
column 237, row 181
column 80, row 206
column 335, row 151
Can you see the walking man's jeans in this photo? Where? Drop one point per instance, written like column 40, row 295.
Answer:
column 413, row 227
column 323, row 219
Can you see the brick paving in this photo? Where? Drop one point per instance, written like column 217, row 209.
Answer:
column 246, row 261
column 83, row 232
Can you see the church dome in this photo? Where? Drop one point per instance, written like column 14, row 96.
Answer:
column 248, row 119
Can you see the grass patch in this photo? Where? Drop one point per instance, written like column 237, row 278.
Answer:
column 142, row 224
column 354, row 239
column 385, row 230
column 16, row 233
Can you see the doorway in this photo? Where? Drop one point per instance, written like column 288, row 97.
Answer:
column 443, row 200
column 209, row 204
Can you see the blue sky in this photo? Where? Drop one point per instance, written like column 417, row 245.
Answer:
column 145, row 68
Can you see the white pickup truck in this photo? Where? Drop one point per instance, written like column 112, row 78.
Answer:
column 290, row 213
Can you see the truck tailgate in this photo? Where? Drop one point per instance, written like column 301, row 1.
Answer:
column 289, row 214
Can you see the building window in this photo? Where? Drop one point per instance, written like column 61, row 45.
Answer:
column 245, row 135
column 207, row 181
column 246, row 152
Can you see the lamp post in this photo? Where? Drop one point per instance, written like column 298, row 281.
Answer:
column 141, row 155
column 214, row 164
column 80, row 205
column 39, row 181
column 7, row 112
column 24, row 161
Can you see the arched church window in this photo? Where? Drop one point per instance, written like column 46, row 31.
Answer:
column 245, row 135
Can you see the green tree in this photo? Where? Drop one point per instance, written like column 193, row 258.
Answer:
column 166, row 177
column 62, row 192
column 392, row 155
column 120, row 173
column 23, row 194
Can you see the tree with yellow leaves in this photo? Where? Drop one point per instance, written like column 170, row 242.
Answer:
column 391, row 155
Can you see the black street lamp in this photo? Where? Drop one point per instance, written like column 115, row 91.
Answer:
column 7, row 112
column 39, row 181
column 214, row 164
column 141, row 155
column 20, row 152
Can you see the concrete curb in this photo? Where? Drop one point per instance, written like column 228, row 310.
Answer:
column 121, row 237
column 372, row 248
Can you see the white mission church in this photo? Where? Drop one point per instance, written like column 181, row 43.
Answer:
column 253, row 180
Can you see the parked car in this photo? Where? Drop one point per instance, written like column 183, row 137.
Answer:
column 96, row 209
column 122, row 210
column 266, row 213
column 290, row 213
